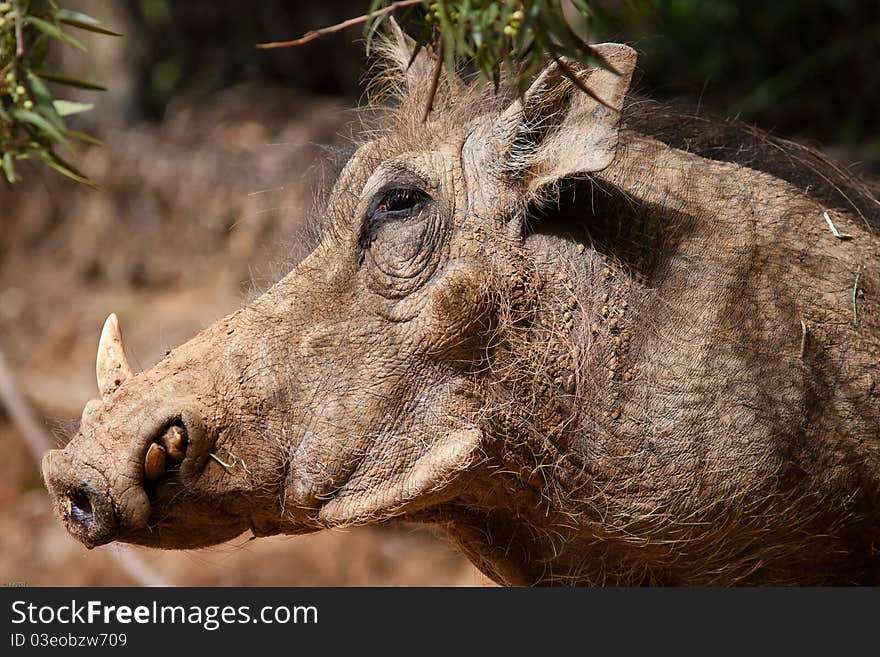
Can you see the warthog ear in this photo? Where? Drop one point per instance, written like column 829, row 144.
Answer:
column 557, row 130
column 402, row 75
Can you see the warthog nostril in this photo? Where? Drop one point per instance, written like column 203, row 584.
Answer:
column 79, row 507
column 89, row 515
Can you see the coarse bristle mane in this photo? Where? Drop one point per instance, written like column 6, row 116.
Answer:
column 730, row 140
column 398, row 87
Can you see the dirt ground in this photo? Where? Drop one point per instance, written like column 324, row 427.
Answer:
column 193, row 217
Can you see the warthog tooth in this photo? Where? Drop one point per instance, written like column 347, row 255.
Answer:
column 154, row 462
column 174, row 441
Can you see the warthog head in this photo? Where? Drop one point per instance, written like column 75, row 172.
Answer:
column 595, row 347
column 358, row 387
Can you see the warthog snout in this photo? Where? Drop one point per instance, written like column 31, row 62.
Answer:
column 88, row 512
column 98, row 509
column 103, row 493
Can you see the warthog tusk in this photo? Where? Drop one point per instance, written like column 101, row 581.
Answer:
column 154, row 462
column 174, row 441
column 111, row 365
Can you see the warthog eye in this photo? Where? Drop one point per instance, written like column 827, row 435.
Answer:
column 398, row 200
column 388, row 204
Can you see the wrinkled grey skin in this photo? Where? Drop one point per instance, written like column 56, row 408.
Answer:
column 593, row 357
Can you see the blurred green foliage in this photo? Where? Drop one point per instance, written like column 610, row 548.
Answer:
column 198, row 46
column 202, row 44
column 809, row 68
column 32, row 122
column 806, row 69
column 491, row 33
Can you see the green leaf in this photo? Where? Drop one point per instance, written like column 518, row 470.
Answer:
column 85, row 138
column 53, row 31
column 41, row 91
column 83, row 22
column 583, row 6
column 35, row 55
column 371, row 26
column 447, row 29
column 62, row 167
column 8, row 169
column 44, row 102
column 477, row 34
column 371, row 32
column 563, row 34
column 72, row 82
column 68, row 107
column 39, row 122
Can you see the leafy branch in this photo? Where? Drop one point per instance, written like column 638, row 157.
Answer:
column 489, row 34
column 32, row 121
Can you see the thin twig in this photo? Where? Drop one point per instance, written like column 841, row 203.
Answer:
column 856, row 295
column 38, row 443
column 314, row 34
column 573, row 77
column 435, row 80
column 19, row 34
column 136, row 568
column 35, row 438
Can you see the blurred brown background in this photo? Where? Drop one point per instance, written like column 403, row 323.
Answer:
column 211, row 151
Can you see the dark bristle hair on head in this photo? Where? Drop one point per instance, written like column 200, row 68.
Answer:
column 398, row 86
column 729, row 140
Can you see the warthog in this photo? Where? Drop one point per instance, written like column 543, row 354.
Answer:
column 597, row 342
